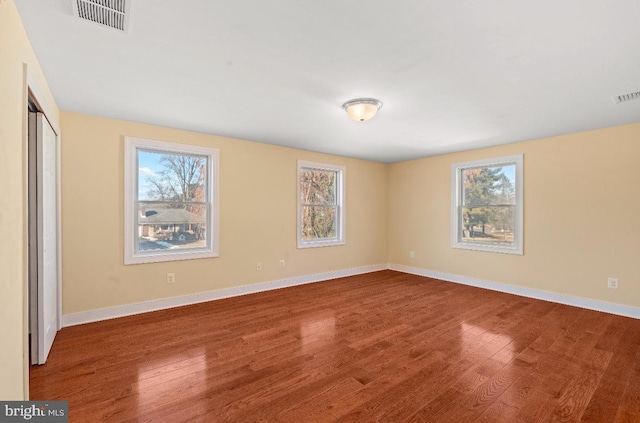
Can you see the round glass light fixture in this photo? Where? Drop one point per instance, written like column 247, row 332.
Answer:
column 362, row 109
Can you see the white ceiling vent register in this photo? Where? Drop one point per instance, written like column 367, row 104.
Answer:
column 111, row 13
column 627, row 97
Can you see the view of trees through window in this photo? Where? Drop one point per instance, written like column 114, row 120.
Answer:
column 488, row 204
column 172, row 201
column 318, row 204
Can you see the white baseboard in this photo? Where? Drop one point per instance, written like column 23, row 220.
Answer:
column 619, row 309
column 153, row 305
column 73, row 319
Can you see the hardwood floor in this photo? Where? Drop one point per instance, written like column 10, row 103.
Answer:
column 384, row 346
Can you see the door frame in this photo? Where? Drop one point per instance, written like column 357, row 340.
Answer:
column 31, row 90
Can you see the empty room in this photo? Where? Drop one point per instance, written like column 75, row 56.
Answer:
column 337, row 211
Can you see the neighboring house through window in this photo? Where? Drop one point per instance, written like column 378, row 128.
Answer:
column 171, row 207
column 487, row 205
column 320, row 204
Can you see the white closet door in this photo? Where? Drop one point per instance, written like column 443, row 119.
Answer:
column 46, row 291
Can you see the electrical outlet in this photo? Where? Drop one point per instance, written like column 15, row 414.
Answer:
column 281, row 262
column 258, row 266
column 171, row 278
column 612, row 283
column 412, row 254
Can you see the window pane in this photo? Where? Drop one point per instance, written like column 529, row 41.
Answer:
column 492, row 224
column 318, row 186
column 318, row 222
column 490, row 185
column 487, row 205
column 170, row 225
column 171, row 177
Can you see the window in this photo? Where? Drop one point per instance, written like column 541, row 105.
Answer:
column 320, row 205
column 171, row 201
column 487, row 205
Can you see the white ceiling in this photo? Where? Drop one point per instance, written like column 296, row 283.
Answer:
column 453, row 75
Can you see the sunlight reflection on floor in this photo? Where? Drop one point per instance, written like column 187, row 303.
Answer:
column 318, row 331
column 161, row 380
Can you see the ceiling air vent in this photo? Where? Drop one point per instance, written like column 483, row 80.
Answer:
column 111, row 13
column 627, row 97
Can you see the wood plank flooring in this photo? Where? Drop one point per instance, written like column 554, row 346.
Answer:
column 384, row 346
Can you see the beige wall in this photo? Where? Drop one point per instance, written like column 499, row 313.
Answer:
column 15, row 51
column 581, row 210
column 257, row 217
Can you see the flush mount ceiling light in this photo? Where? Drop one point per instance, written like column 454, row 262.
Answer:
column 362, row 109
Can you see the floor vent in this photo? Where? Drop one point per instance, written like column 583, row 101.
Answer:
column 111, row 13
column 627, row 97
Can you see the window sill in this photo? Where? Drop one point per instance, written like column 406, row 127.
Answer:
column 490, row 248
column 315, row 244
column 164, row 256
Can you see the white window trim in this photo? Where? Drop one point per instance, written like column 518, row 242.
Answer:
column 132, row 145
column 340, row 199
column 456, row 204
